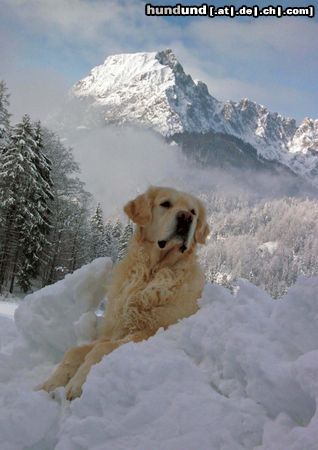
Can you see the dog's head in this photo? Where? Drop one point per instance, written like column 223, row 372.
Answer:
column 169, row 217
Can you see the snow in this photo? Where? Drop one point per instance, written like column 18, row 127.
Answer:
column 53, row 317
column 240, row 374
column 119, row 69
column 138, row 75
column 270, row 247
column 7, row 308
column 306, row 137
column 148, row 88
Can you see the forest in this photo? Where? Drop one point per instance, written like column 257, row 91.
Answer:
column 50, row 225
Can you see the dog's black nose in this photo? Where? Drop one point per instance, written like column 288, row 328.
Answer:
column 184, row 217
column 162, row 244
column 184, row 220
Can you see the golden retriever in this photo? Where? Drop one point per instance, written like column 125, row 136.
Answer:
column 156, row 284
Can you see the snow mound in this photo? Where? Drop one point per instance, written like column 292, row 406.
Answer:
column 240, row 374
column 225, row 378
column 7, row 308
column 57, row 316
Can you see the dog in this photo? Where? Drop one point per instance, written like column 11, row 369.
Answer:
column 155, row 285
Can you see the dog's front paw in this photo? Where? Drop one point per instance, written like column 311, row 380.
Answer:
column 73, row 388
column 49, row 385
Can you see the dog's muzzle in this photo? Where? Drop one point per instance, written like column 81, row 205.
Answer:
column 184, row 221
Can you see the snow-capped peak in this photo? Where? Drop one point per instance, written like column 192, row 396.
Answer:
column 119, row 71
column 151, row 89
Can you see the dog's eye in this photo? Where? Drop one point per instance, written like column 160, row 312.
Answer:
column 193, row 212
column 166, row 204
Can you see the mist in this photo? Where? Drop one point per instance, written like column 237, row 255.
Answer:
column 39, row 94
column 119, row 162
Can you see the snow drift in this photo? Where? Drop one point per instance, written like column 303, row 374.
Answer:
column 55, row 316
column 240, row 374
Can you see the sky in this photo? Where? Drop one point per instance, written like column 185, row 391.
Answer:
column 46, row 46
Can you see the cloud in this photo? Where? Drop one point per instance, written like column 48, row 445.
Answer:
column 67, row 16
column 269, row 61
column 93, row 28
column 117, row 163
column 291, row 35
column 40, row 94
column 260, row 44
column 120, row 162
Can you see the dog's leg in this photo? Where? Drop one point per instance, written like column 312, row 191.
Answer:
column 67, row 368
column 101, row 348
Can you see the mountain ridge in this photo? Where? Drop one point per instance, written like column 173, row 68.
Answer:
column 153, row 90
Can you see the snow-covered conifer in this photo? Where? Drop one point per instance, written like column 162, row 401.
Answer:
column 115, row 236
column 124, row 240
column 98, row 247
column 24, row 198
column 4, row 116
column 108, row 238
column 70, row 237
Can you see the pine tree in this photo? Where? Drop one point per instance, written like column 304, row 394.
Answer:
column 4, row 139
column 98, row 247
column 16, row 167
column 115, row 236
column 69, row 245
column 117, row 229
column 124, row 240
column 4, row 117
column 108, row 236
column 43, row 164
column 79, row 232
column 40, row 198
column 24, row 196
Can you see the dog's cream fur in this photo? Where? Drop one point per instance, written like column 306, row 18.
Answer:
column 151, row 287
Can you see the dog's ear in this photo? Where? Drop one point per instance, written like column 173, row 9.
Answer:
column 202, row 228
column 139, row 210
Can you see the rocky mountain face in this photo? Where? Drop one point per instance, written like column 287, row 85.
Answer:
column 149, row 89
column 152, row 90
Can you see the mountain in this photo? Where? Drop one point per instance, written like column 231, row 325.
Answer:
column 152, row 89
